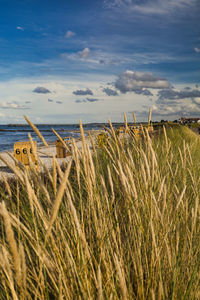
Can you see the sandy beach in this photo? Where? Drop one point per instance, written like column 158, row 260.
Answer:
column 45, row 156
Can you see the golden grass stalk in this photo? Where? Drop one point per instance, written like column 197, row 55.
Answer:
column 115, row 139
column 23, row 268
column 35, row 202
column 93, row 144
column 12, row 242
column 7, row 185
column 61, row 140
column 100, row 292
column 54, row 176
column 76, row 158
column 82, row 133
column 60, row 172
column 58, row 200
column 134, row 118
column 81, row 234
column 36, row 131
column 35, row 155
column 181, row 197
column 5, row 264
column 111, row 185
column 17, row 172
column 125, row 121
column 47, row 171
column 122, row 281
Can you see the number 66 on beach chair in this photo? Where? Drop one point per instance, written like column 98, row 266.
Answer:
column 23, row 151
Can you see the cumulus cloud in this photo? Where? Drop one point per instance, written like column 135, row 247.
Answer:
column 197, row 50
column 41, row 90
column 144, row 92
column 12, row 105
column 177, row 111
column 110, row 92
column 176, row 103
column 84, row 54
column 83, row 92
column 171, row 111
column 87, row 100
column 50, row 100
column 130, row 81
column 69, row 34
column 175, row 95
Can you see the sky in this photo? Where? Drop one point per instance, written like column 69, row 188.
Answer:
column 62, row 61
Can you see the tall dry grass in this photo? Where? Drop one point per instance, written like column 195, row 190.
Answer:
column 121, row 222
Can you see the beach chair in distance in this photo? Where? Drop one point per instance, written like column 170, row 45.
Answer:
column 136, row 131
column 61, row 151
column 102, row 139
column 22, row 152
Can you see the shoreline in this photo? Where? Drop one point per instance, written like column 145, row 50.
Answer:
column 45, row 155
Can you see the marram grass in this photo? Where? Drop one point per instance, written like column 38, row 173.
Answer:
column 121, row 222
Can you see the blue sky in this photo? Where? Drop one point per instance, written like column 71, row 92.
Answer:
column 61, row 61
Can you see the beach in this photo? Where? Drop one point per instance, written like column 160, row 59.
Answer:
column 45, row 156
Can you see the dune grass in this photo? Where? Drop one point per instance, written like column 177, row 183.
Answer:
column 121, row 222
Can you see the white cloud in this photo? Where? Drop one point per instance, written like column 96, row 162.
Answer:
column 197, row 50
column 84, row 54
column 13, row 105
column 149, row 6
column 135, row 81
column 20, row 28
column 97, row 57
column 69, row 34
column 103, row 58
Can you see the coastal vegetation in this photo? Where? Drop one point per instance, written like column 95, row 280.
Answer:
column 117, row 222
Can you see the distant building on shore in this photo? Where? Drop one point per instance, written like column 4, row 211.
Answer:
column 189, row 120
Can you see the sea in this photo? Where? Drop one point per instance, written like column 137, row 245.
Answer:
column 11, row 133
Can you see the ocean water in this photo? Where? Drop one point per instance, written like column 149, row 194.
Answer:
column 9, row 134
